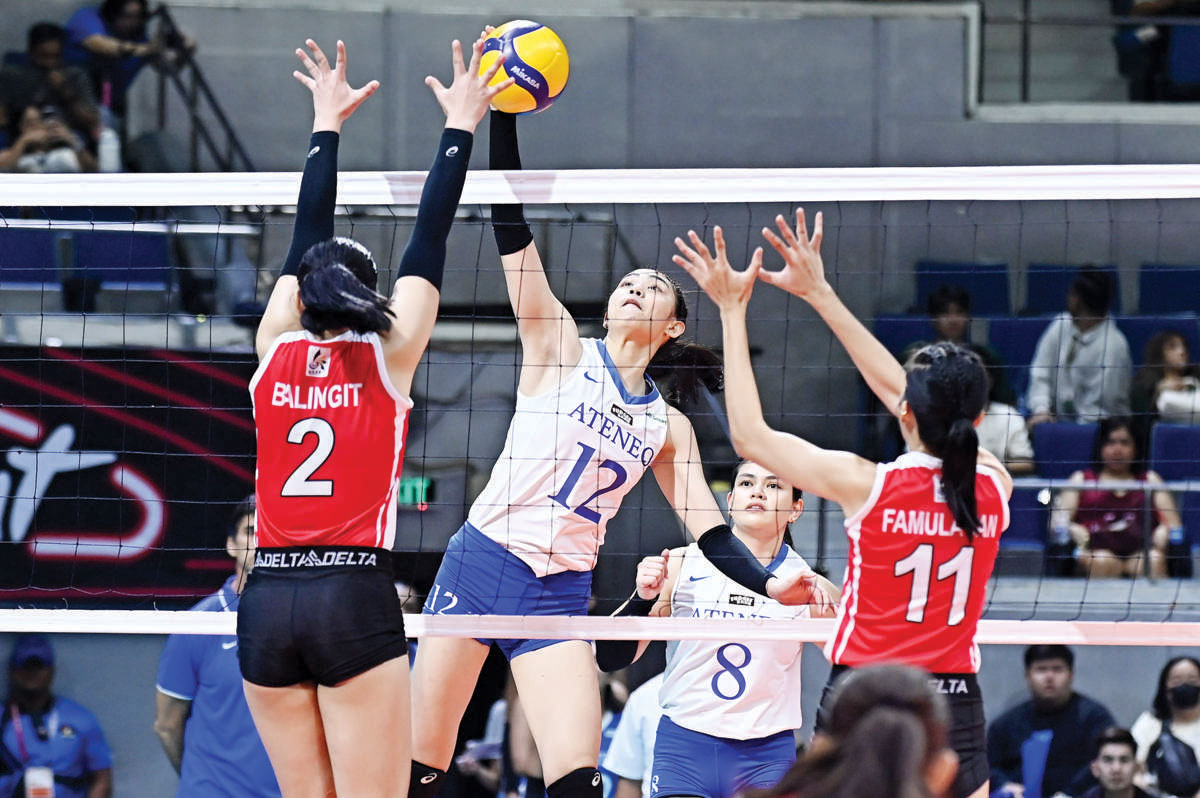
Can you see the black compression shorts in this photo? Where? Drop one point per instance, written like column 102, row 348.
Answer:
column 302, row 620
column 968, row 730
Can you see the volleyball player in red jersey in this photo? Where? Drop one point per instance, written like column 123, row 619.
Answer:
column 924, row 529
column 321, row 640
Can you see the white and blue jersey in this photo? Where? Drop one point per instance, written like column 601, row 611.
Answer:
column 67, row 739
column 222, row 753
column 729, row 709
column 738, row 691
column 571, row 455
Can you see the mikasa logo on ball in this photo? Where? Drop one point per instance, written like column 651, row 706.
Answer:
column 516, row 71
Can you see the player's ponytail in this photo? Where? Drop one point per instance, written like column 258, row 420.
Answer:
column 337, row 288
column 946, row 391
column 679, row 368
column 886, row 725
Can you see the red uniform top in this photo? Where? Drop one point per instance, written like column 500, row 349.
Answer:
column 331, row 430
column 915, row 586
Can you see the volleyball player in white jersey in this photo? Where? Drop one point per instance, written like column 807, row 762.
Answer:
column 589, row 421
column 729, row 709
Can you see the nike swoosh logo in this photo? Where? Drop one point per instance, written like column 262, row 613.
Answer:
column 229, row 645
column 587, row 375
column 697, row 578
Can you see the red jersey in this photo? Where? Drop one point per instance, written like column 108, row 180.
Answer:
column 915, row 585
column 331, row 430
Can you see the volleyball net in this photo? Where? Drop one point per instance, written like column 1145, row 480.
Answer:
column 128, row 306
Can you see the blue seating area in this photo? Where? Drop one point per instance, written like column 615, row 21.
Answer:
column 1164, row 288
column 986, row 282
column 1046, row 287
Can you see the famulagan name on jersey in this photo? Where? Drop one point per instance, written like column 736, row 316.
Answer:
column 933, row 524
column 317, row 397
column 311, row 559
column 609, row 429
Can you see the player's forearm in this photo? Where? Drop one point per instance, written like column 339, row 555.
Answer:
column 172, row 743
column 883, row 374
column 318, row 195
column 425, row 255
column 748, row 429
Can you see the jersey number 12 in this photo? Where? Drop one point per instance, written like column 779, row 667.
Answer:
column 585, row 457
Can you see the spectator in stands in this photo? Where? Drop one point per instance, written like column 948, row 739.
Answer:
column 1142, row 49
column 1176, row 710
column 949, row 308
column 1108, row 525
column 1081, row 366
column 1167, row 388
column 110, row 41
column 200, row 707
column 43, row 144
column 45, row 82
column 1073, row 720
column 48, row 740
column 1002, row 431
column 630, row 757
column 1115, row 766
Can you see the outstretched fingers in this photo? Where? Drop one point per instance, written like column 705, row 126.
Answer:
column 456, row 58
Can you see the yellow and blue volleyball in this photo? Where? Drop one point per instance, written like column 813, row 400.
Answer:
column 534, row 57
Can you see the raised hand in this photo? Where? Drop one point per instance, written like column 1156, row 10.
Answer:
column 725, row 286
column 333, row 98
column 467, row 98
column 651, row 573
column 802, row 588
column 803, row 272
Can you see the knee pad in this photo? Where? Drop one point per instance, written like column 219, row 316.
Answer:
column 579, row 783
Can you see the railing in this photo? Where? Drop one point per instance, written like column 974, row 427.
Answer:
column 181, row 70
column 1027, row 19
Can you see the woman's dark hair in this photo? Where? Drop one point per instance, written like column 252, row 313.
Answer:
column 1161, row 705
column 337, row 286
column 946, row 391
column 1155, row 369
column 886, row 723
column 941, row 298
column 679, row 368
column 1108, row 426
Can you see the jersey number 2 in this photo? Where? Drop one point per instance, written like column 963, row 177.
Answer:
column 564, row 493
column 299, row 484
column 920, row 565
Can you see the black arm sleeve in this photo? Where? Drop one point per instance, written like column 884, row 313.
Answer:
column 732, row 558
column 318, row 193
column 425, row 255
column 508, row 221
column 612, row 655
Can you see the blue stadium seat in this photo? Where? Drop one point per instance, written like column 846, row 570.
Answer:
column 1163, row 288
column 1062, row 448
column 1046, row 287
column 1139, row 330
column 1183, row 61
column 1027, row 521
column 897, row 332
column 1175, row 454
column 123, row 259
column 986, row 282
column 1015, row 338
column 28, row 256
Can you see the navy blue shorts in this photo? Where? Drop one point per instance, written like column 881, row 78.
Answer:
column 968, row 728
column 478, row 576
column 689, row 762
column 321, row 623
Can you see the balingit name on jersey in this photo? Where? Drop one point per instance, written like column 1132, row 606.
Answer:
column 316, row 397
column 610, row 429
column 934, row 524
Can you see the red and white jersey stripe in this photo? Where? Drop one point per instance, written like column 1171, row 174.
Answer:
column 331, row 429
